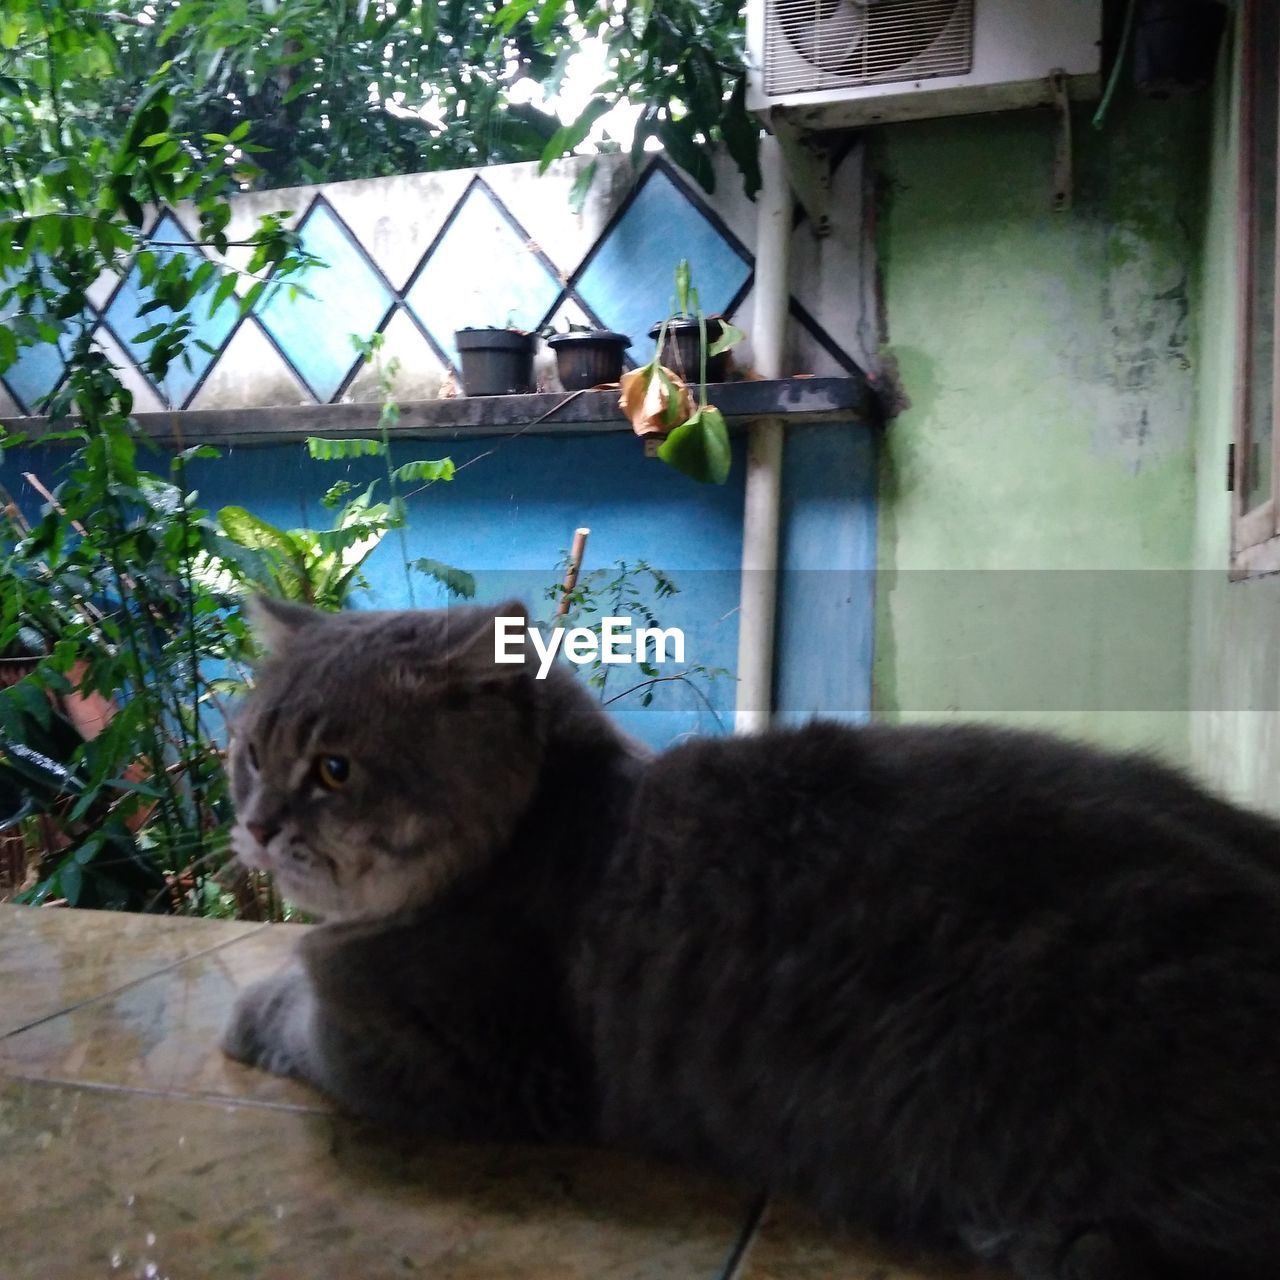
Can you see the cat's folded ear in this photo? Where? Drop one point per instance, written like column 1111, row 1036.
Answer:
column 276, row 622
column 492, row 645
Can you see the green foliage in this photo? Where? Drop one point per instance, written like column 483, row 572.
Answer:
column 112, row 592
column 77, row 179
column 680, row 60
column 339, row 450
column 699, row 446
column 301, row 91
column 314, row 568
column 460, row 585
column 424, row 470
column 321, row 568
column 106, row 593
column 635, row 590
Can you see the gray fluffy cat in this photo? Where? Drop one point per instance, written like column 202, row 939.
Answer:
column 974, row 988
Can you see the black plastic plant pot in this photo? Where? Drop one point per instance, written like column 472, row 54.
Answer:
column 680, row 349
column 1175, row 45
column 586, row 358
column 495, row 362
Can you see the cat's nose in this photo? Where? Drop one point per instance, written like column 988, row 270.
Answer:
column 262, row 832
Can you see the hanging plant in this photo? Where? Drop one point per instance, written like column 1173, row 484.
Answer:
column 655, row 400
column 691, row 437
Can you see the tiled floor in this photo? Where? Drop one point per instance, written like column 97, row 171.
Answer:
column 131, row 1148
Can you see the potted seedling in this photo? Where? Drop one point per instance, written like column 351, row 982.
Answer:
column 691, row 437
column 587, row 357
column 496, row 362
column 686, row 336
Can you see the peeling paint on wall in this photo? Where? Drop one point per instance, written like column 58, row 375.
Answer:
column 1049, row 363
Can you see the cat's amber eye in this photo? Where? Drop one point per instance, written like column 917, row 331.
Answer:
column 333, row 771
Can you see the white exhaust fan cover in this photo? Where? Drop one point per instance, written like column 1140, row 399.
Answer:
column 811, row 45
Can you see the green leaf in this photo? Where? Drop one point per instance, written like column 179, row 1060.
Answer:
column 682, row 287
column 730, row 336
column 581, row 186
column 457, row 582
column 570, row 135
column 699, row 448
column 414, row 472
column 252, row 531
column 702, row 88
column 198, row 451
column 689, row 153
column 336, row 450
column 508, row 15
column 671, row 412
column 70, row 881
column 741, row 133
column 551, row 10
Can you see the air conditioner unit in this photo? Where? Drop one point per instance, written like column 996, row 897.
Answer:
column 825, row 64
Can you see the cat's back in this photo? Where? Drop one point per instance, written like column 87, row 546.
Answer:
column 864, row 802
column 895, row 916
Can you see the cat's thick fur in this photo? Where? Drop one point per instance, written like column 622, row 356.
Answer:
column 975, row 988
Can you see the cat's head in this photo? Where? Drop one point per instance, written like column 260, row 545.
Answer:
column 380, row 756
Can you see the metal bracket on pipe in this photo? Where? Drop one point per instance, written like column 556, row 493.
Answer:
column 809, row 169
column 1062, row 175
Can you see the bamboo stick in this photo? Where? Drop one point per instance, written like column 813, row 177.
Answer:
column 571, row 573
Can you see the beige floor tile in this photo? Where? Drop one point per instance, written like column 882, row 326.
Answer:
column 103, row 1184
column 162, row 1033
column 790, row 1245
column 52, row 959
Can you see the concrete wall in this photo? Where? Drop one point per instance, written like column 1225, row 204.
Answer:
column 1235, row 723
column 508, row 518
column 416, row 257
column 1037, row 494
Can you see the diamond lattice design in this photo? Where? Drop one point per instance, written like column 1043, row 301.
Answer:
column 185, row 374
column 628, row 282
column 38, row 368
column 348, row 298
column 481, row 272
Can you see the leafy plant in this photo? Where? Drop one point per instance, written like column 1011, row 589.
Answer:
column 339, row 89
column 108, row 589
column 320, row 568
column 315, row 568
column 696, row 438
column 105, row 591
column 699, row 446
column 682, row 61
column 635, row 590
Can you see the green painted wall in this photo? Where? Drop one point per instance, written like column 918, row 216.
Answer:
column 1038, row 493
column 1235, row 691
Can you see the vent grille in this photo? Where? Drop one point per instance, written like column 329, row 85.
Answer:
column 812, row 45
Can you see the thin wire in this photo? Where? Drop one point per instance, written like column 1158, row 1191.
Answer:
column 1122, row 54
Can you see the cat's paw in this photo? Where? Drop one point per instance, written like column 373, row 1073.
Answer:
column 258, row 1033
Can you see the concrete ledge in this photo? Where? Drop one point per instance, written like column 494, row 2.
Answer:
column 797, row 400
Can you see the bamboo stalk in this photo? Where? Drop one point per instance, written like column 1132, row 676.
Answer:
column 571, row 573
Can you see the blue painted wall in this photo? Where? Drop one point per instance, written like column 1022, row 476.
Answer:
column 508, row 518
column 826, row 597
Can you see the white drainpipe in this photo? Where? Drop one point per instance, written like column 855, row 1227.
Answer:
column 759, row 590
